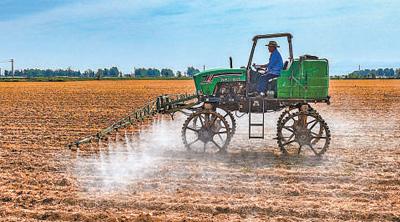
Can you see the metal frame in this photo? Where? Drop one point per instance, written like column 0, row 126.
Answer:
column 165, row 104
column 267, row 36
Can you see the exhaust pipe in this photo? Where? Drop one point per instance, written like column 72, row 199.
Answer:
column 230, row 62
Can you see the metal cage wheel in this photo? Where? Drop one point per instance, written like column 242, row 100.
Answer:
column 231, row 120
column 303, row 132
column 294, row 109
column 206, row 131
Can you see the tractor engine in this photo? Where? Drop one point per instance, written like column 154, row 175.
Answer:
column 230, row 93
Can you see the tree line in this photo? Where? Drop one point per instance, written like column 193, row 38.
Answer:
column 389, row 73
column 153, row 72
column 101, row 73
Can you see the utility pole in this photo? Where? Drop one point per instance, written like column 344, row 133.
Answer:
column 12, row 67
column 204, row 67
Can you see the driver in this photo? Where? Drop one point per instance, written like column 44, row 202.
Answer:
column 272, row 69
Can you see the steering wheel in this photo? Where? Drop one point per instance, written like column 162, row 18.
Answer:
column 258, row 68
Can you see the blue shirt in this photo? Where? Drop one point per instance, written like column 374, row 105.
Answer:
column 275, row 64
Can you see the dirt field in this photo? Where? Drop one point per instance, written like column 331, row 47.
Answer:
column 152, row 178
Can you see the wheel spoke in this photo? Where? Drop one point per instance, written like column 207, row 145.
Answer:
column 311, row 121
column 316, row 135
column 222, row 139
column 290, row 137
column 288, row 129
column 287, row 143
column 216, row 144
column 192, row 129
column 319, row 137
column 207, row 119
column 201, row 120
column 315, row 123
column 221, row 132
column 191, row 143
column 212, row 123
column 312, row 148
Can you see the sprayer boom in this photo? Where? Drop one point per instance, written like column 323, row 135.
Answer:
column 163, row 104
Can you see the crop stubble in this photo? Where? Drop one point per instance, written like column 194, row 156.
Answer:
column 358, row 178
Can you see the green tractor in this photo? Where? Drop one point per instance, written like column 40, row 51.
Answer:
column 224, row 92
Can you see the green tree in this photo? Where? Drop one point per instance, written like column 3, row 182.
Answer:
column 191, row 71
column 179, row 74
column 153, row 72
column 142, row 72
column 89, row 73
column 113, row 72
column 167, row 73
column 99, row 73
column 398, row 73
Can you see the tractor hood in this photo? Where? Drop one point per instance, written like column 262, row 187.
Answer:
column 207, row 80
column 219, row 70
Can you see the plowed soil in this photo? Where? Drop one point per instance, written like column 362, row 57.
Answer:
column 145, row 174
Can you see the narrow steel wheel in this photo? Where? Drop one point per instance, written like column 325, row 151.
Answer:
column 303, row 132
column 229, row 118
column 206, row 131
column 294, row 109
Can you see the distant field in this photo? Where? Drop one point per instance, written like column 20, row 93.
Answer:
column 358, row 178
column 67, row 79
column 50, row 113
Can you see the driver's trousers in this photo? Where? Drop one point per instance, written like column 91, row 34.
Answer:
column 263, row 81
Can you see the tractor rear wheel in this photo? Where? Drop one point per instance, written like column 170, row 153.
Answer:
column 291, row 110
column 206, row 131
column 295, row 109
column 303, row 129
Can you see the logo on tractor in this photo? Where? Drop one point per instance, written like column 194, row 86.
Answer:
column 223, row 77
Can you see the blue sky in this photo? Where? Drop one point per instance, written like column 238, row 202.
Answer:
column 84, row 34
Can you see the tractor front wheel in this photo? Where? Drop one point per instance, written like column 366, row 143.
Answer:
column 206, row 131
column 229, row 117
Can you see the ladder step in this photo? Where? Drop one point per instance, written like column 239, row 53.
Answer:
column 251, row 134
column 256, row 137
column 256, row 124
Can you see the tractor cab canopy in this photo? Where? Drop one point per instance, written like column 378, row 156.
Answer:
column 256, row 39
column 267, row 36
